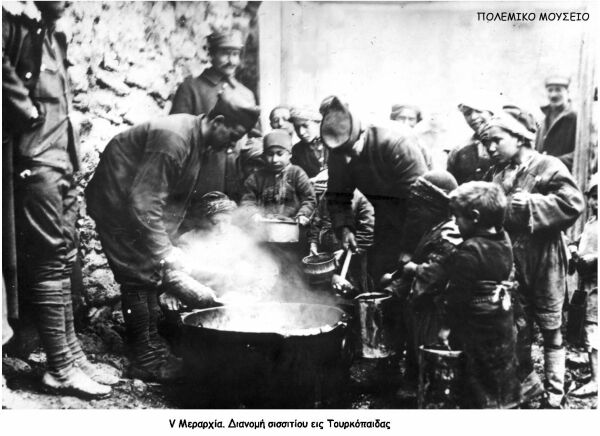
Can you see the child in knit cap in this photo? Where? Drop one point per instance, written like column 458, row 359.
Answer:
column 279, row 190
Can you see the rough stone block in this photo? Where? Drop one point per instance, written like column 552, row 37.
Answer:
column 14, row 367
column 113, row 82
column 100, row 288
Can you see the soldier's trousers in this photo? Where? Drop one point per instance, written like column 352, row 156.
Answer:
column 46, row 210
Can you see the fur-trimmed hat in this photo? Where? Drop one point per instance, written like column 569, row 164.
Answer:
column 215, row 202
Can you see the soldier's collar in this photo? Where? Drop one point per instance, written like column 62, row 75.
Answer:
column 215, row 77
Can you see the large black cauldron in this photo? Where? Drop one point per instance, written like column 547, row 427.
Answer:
column 267, row 355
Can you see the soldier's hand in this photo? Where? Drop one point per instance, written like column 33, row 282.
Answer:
column 193, row 293
column 170, row 302
column 348, row 239
column 519, row 200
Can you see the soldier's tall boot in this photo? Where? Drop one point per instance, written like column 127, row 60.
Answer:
column 101, row 374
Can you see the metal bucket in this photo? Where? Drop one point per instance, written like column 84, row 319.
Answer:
column 372, row 314
column 440, row 378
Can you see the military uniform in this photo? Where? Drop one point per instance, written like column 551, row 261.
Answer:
column 45, row 155
column 558, row 138
column 383, row 171
column 139, row 196
column 198, row 95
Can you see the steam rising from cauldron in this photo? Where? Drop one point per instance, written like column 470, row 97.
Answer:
column 241, row 269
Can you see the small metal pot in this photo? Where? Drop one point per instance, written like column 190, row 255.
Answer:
column 320, row 267
column 280, row 231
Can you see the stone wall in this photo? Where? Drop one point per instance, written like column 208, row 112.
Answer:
column 128, row 58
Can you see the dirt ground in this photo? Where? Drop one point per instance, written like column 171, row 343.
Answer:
column 370, row 387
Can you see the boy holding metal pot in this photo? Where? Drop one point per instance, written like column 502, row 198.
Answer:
column 280, row 189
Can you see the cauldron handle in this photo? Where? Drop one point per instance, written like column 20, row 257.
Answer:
column 346, row 352
column 183, row 315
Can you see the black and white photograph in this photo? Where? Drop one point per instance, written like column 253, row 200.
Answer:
column 349, row 206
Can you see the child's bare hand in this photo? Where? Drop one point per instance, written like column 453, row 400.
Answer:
column 410, row 268
column 443, row 335
column 519, row 200
column 302, row 220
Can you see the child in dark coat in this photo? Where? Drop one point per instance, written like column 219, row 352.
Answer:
column 280, row 189
column 284, row 192
column 428, row 242
column 478, row 301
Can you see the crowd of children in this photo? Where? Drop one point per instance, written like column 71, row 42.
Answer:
column 481, row 261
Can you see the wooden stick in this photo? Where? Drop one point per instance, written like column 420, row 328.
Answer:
column 346, row 264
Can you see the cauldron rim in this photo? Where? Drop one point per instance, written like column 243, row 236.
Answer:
column 313, row 331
